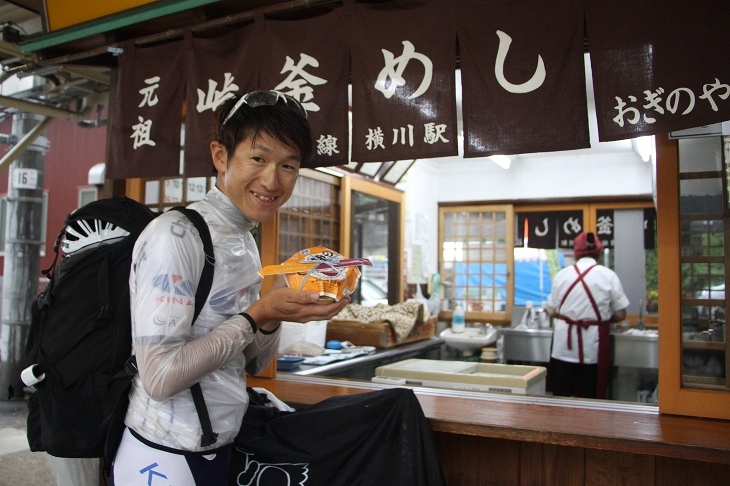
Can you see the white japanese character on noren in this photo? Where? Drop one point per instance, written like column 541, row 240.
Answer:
column 630, row 114
column 141, row 133
column 572, row 226
column 674, row 97
column 149, row 97
column 402, row 132
column 604, row 225
column 374, row 138
column 297, row 82
column 327, row 145
column 532, row 84
column 391, row 76
column 653, row 99
column 214, row 97
column 708, row 89
column 434, row 133
column 544, row 231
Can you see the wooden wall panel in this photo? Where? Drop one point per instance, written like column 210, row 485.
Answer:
column 551, row 464
column 468, row 460
column 671, row 472
column 605, row 468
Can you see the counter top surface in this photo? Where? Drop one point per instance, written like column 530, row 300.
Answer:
column 377, row 356
column 594, row 424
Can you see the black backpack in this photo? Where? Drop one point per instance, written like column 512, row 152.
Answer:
column 78, row 353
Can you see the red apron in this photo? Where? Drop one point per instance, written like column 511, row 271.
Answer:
column 604, row 337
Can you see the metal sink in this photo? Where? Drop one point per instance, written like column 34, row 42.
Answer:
column 527, row 345
column 635, row 348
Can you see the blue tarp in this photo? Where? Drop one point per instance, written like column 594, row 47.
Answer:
column 529, row 285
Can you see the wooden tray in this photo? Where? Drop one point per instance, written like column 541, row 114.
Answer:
column 378, row 333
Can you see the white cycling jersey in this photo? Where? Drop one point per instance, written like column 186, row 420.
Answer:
column 218, row 350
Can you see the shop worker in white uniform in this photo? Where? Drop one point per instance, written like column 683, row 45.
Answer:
column 260, row 140
column 585, row 299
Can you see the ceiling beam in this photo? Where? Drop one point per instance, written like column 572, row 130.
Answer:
column 49, row 111
column 31, row 60
column 112, row 22
column 276, row 7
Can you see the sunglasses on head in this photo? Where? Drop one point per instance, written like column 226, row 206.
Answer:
column 266, row 98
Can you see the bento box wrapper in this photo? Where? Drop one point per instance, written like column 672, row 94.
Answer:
column 320, row 269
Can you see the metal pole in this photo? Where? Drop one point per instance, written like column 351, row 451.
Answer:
column 23, row 227
column 20, row 145
column 33, row 107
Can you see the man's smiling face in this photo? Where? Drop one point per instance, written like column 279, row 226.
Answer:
column 260, row 175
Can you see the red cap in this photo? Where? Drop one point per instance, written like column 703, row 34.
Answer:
column 587, row 244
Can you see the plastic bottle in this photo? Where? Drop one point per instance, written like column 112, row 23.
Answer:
column 422, row 300
column 528, row 318
column 434, row 300
column 457, row 319
column 544, row 316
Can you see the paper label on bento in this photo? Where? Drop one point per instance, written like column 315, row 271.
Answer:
column 321, row 270
column 307, row 266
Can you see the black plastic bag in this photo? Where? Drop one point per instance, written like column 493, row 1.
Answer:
column 372, row 438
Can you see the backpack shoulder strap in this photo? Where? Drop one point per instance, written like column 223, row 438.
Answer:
column 201, row 295
column 206, row 278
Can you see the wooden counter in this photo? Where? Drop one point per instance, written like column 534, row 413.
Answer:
column 485, row 438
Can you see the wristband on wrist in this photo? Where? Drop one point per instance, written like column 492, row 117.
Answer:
column 264, row 331
column 250, row 321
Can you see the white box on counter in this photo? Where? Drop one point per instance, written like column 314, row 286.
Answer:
column 465, row 375
column 294, row 332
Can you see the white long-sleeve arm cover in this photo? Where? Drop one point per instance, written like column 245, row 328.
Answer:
column 167, row 369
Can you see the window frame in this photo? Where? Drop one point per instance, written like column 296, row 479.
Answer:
column 494, row 316
column 348, row 184
column 673, row 397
